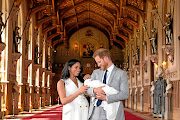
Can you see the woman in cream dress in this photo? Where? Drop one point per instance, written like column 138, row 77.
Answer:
column 70, row 89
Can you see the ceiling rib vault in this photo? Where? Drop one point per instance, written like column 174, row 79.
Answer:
column 116, row 18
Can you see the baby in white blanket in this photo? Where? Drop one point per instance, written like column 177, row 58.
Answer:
column 112, row 108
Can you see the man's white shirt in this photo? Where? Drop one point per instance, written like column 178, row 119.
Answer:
column 109, row 70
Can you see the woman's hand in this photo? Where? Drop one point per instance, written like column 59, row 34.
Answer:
column 87, row 76
column 83, row 89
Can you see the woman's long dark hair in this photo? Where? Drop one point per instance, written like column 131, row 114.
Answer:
column 65, row 71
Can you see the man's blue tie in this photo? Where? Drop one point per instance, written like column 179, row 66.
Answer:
column 104, row 81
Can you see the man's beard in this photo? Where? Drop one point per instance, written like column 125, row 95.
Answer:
column 104, row 67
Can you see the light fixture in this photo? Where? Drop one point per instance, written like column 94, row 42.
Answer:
column 75, row 47
column 156, row 65
column 164, row 64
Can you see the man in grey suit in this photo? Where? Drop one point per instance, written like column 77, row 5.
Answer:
column 112, row 76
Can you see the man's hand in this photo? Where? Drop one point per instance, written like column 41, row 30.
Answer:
column 99, row 90
column 101, row 97
column 87, row 76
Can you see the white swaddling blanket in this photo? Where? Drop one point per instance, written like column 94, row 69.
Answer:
column 112, row 108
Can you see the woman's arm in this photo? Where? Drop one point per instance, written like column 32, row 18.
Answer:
column 62, row 92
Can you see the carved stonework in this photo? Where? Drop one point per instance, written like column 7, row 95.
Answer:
column 145, row 47
column 2, row 46
column 16, row 39
column 15, row 11
column 152, row 96
column 48, row 72
column 128, row 74
column 15, row 87
column 27, row 63
column 48, row 90
column 132, row 72
column 171, row 74
column 137, row 68
column 52, row 74
column 145, row 25
column 137, row 55
column 36, row 89
column 154, row 58
column 154, row 40
column 130, row 95
column 2, row 25
column 135, row 98
column 36, row 54
column 155, row 14
column 59, row 29
column 27, row 89
column 169, row 49
column 111, row 41
column 65, row 39
column 12, row 78
column 138, row 34
column 36, row 66
column 24, row 79
column 141, row 91
column 168, row 100
column 36, row 33
column 43, row 90
column 168, row 27
column 27, row 25
column 62, row 35
column 89, row 33
column 144, row 65
column 15, row 57
column 48, row 9
column 42, row 69
column 54, row 20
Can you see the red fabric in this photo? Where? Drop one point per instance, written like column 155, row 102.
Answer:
column 52, row 114
column 56, row 114
column 129, row 116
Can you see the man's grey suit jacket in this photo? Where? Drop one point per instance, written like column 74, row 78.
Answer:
column 117, row 80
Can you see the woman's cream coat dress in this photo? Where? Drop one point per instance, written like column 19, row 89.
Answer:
column 78, row 108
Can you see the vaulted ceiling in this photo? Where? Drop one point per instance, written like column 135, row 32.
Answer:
column 61, row 18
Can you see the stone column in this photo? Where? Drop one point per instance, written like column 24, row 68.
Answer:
column 41, row 89
column 43, row 97
column 50, row 92
column 26, row 97
column 168, row 101
column 141, row 99
column 2, row 46
column 12, row 86
column 1, row 94
column 36, row 86
column 130, row 97
column 30, row 97
column 126, row 103
column 48, row 83
column 152, row 97
column 36, row 98
column 135, row 99
column 26, row 88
